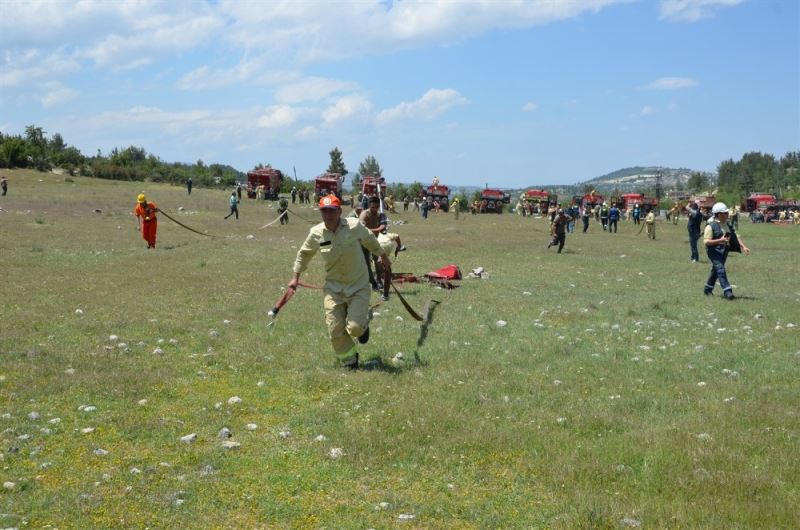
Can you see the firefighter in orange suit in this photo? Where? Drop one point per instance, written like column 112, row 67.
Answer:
column 145, row 213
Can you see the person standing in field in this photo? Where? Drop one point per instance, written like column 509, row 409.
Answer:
column 586, row 216
column 613, row 218
column 372, row 219
column 455, row 207
column 4, row 185
column 145, row 213
column 718, row 243
column 693, row 226
column 650, row 224
column 189, row 186
column 234, row 204
column 604, row 211
column 637, row 213
column 558, row 229
column 347, row 290
column 239, row 193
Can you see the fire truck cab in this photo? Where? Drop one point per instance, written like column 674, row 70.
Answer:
column 267, row 177
column 438, row 193
column 328, row 183
column 493, row 200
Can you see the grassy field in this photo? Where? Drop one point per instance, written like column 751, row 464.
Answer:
column 616, row 395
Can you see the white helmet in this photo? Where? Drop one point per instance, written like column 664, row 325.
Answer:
column 719, row 208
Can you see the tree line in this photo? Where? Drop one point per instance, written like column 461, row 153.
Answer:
column 754, row 172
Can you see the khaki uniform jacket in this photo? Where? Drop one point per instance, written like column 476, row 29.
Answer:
column 345, row 268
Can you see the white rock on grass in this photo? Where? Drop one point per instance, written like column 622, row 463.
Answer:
column 213, row 333
column 189, row 438
column 285, row 434
column 729, row 400
column 54, row 421
column 260, row 384
column 250, row 236
column 251, row 426
column 87, row 430
column 79, row 311
column 704, row 437
column 230, row 444
column 158, row 351
column 226, row 321
column 321, row 438
column 336, row 452
column 631, row 523
column 70, row 371
column 142, row 402
column 234, row 400
column 224, row 433
column 113, row 338
column 405, row 517
column 87, row 408
column 382, row 505
column 501, row 323
column 9, row 485
column 135, row 471
column 33, row 415
column 100, row 452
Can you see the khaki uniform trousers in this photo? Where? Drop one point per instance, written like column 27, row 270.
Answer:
column 650, row 228
column 347, row 318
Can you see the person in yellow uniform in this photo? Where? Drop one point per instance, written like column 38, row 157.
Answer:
column 650, row 224
column 455, row 207
column 346, row 288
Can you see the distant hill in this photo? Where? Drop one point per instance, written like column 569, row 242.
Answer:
column 631, row 179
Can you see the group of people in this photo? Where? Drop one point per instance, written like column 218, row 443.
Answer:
column 353, row 246
column 302, row 194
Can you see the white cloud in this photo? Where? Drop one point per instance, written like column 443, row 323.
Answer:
column 693, row 10
column 320, row 30
column 248, row 72
column 671, row 83
column 530, row 106
column 27, row 67
column 433, row 103
column 351, row 106
column 647, row 110
column 57, row 95
column 277, row 116
column 312, row 89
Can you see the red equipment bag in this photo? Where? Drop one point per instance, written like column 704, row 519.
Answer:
column 448, row 272
column 443, row 276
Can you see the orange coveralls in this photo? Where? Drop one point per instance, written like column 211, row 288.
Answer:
column 148, row 222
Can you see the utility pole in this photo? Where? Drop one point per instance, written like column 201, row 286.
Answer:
column 659, row 191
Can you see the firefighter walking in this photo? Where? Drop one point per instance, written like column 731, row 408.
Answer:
column 346, row 288
column 650, row 224
column 145, row 213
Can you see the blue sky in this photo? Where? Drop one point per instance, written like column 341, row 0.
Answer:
column 510, row 93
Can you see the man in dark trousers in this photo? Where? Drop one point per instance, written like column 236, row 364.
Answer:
column 189, row 186
column 695, row 221
column 718, row 238
column 613, row 218
column 558, row 229
column 375, row 223
column 4, row 185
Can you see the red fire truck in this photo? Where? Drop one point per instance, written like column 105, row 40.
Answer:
column 629, row 200
column 270, row 178
column 328, row 183
column 493, row 200
column 369, row 186
column 589, row 199
column 439, row 193
column 758, row 201
column 543, row 198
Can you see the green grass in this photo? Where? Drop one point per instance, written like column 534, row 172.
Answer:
column 584, row 410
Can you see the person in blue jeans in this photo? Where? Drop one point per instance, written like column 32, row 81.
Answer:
column 613, row 218
column 718, row 241
column 695, row 221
